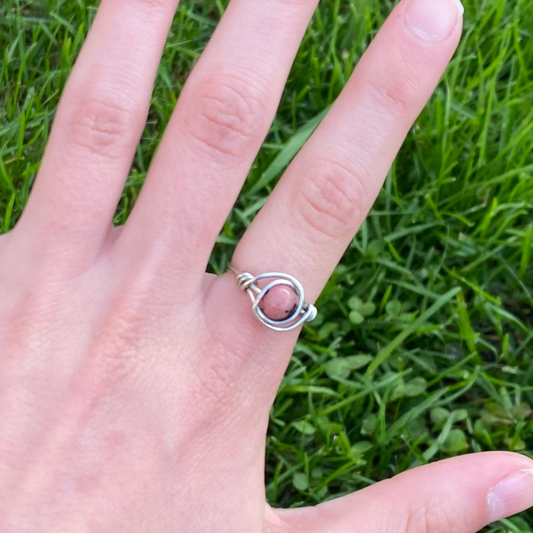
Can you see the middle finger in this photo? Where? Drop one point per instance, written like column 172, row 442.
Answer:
column 221, row 119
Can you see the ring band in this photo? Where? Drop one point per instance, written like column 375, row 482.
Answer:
column 301, row 311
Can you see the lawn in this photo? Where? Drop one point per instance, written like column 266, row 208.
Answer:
column 423, row 348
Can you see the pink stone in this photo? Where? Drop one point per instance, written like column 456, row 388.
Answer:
column 279, row 303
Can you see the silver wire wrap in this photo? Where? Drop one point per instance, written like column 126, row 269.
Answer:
column 304, row 312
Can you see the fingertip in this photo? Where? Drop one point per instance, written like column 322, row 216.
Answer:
column 485, row 486
column 512, row 490
column 512, row 495
column 461, row 494
column 460, row 7
column 433, row 21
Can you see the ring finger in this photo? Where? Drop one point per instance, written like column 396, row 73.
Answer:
column 327, row 191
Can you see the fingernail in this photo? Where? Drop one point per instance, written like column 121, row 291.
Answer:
column 513, row 494
column 433, row 20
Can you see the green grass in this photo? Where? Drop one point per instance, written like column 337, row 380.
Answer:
column 437, row 359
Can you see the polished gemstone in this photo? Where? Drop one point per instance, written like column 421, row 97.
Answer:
column 279, row 303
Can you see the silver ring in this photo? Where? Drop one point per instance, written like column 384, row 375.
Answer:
column 302, row 311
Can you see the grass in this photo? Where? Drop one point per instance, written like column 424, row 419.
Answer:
column 424, row 344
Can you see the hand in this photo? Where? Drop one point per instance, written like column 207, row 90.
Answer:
column 134, row 388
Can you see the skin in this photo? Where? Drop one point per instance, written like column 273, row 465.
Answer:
column 134, row 387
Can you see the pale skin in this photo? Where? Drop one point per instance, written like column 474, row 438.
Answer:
column 134, row 387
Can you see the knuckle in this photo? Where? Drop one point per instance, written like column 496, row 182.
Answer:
column 395, row 92
column 31, row 311
column 330, row 198
column 216, row 382
column 115, row 350
column 219, row 375
column 227, row 117
column 102, row 124
column 227, row 350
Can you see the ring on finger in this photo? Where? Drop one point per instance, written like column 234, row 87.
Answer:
column 280, row 305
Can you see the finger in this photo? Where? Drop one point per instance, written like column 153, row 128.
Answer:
column 319, row 203
column 462, row 495
column 327, row 191
column 221, row 120
column 98, row 125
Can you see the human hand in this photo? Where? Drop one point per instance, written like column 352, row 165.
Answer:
column 134, row 388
